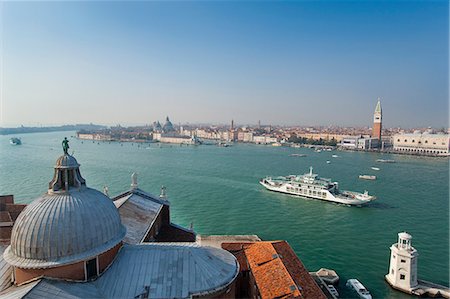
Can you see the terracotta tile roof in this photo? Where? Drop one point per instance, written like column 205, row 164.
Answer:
column 277, row 270
column 298, row 272
column 271, row 276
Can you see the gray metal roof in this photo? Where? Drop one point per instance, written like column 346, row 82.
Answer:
column 169, row 270
column 5, row 270
column 137, row 214
column 142, row 194
column 62, row 228
column 66, row 161
column 53, row 289
column 18, row 292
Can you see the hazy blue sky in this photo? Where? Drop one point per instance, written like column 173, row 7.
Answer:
column 304, row 62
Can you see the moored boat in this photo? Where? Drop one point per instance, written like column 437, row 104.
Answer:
column 15, row 141
column 358, row 288
column 310, row 185
column 385, row 161
column 333, row 290
column 375, row 168
column 367, row 177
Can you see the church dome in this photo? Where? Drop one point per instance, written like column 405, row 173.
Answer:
column 68, row 224
column 67, row 161
column 168, row 127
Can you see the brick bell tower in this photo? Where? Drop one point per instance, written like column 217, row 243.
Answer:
column 377, row 119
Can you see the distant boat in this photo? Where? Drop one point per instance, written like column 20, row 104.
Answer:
column 328, row 162
column 297, row 155
column 358, row 287
column 375, row 168
column 385, row 161
column 223, row 144
column 334, row 156
column 367, row 177
column 318, row 151
column 15, row 141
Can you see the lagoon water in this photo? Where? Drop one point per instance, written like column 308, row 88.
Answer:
column 217, row 190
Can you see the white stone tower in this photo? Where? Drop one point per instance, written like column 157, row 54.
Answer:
column 403, row 266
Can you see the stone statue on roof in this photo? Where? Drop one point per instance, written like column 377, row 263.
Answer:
column 65, row 145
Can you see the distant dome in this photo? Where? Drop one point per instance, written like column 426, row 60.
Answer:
column 69, row 223
column 157, row 126
column 168, row 126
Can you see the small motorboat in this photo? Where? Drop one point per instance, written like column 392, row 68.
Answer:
column 375, row 168
column 385, row 161
column 358, row 287
column 328, row 162
column 15, row 141
column 297, row 155
column 367, row 177
column 334, row 156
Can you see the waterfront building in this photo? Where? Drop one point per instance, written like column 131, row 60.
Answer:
column 264, row 139
column 349, row 142
column 175, row 139
column 76, row 242
column 322, row 136
column 377, row 121
column 247, row 137
column 422, row 143
column 94, row 136
column 167, row 134
column 359, row 143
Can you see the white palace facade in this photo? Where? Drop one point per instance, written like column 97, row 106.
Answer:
column 422, row 143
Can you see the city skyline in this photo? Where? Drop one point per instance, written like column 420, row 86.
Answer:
column 289, row 63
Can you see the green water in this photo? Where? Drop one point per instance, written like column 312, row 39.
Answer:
column 217, row 189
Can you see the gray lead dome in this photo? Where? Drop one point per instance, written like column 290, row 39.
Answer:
column 67, row 161
column 69, row 223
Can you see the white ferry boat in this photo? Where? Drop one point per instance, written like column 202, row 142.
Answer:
column 358, row 288
column 312, row 186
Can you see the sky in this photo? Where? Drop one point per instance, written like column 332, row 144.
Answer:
column 285, row 63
